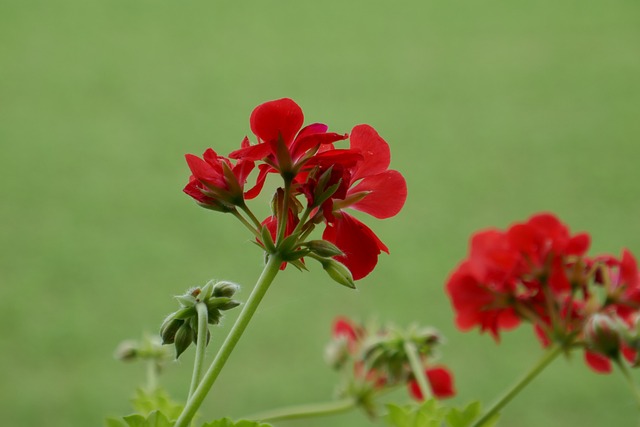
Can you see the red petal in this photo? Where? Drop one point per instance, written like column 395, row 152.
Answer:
column 275, row 119
column 597, row 362
column 264, row 169
column 373, row 148
column 312, row 129
column 360, row 245
column 388, row 192
column 302, row 145
column 193, row 190
column 414, row 390
column 578, row 244
column 628, row 269
column 203, row 171
column 252, row 152
column 242, row 170
column 342, row 327
column 629, row 354
column 441, row 381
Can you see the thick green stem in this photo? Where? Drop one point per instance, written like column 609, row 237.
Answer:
column 305, row 411
column 417, row 368
column 546, row 359
column 266, row 278
column 627, row 375
column 201, row 346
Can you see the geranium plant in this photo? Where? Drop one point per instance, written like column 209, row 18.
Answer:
column 535, row 271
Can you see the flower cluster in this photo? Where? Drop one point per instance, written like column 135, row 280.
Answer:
column 537, row 271
column 378, row 358
column 321, row 182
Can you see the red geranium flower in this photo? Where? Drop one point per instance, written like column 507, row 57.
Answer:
column 366, row 185
column 282, row 145
column 216, row 183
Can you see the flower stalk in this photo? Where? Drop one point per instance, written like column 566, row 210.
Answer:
column 306, row 411
column 627, row 376
column 546, row 359
column 417, row 369
column 201, row 346
column 262, row 285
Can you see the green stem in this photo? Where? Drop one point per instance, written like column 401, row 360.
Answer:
column 546, row 359
column 303, row 219
column 245, row 222
column 250, row 214
column 201, row 346
column 627, row 375
column 152, row 375
column 305, row 411
column 417, row 368
column 262, row 285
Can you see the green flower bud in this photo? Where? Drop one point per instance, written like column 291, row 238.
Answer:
column 214, row 316
column 323, row 248
column 127, row 351
column 602, row 335
column 184, row 337
column 338, row 272
column 169, row 329
column 229, row 305
column 225, row 289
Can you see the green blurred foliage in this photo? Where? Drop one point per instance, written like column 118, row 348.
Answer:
column 494, row 110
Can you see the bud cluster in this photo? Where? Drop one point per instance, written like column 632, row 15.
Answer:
column 374, row 358
column 181, row 327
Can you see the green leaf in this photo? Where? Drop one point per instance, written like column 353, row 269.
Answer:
column 112, row 422
column 463, row 417
column 432, row 413
column 146, row 402
column 155, row 419
column 227, row 422
column 397, row 416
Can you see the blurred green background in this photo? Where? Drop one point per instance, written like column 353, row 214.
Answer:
column 494, row 110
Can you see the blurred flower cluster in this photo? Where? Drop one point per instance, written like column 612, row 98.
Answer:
column 376, row 359
column 537, row 271
column 320, row 183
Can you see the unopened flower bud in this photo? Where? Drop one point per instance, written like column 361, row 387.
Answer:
column 323, row 248
column 169, row 329
column 184, row 337
column 214, row 316
column 338, row 272
column 225, row 289
column 602, row 335
column 127, row 351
